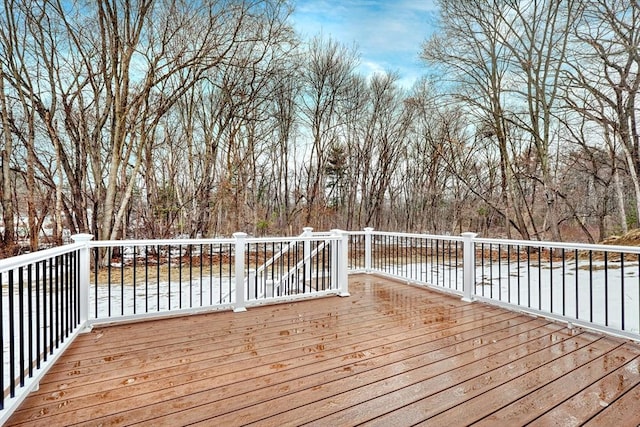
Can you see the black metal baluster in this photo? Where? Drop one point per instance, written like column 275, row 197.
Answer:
column 437, row 263
column 38, row 317
column 324, row 265
column 405, row 247
column 518, row 270
column 319, row 248
column 622, row 311
column 45, row 328
column 158, row 277
column 146, row 279
column 499, row 272
column 21, row 307
column 57, row 291
column 229, row 266
column 273, row 267
column 190, row 254
column 169, row 276
column 564, row 275
column 288, row 270
column 591, row 286
column 449, row 266
column 30, row 317
column 540, row 278
column 383, row 252
column 304, row 269
column 420, row 257
column 135, row 268
column 529, row 276
column 491, row 270
column 121, row 280
column 61, row 289
column 575, row 255
column 96, row 254
column 264, row 250
column 278, row 291
column 12, row 343
column 67, row 293
column 442, row 267
column 482, row 273
column 431, row 260
column 220, row 272
column 606, row 289
column 509, row 273
column 551, row 279
column 201, row 267
column 78, row 285
column 109, row 282
column 296, row 264
column 180, row 259
column 210, row 253
column 52, row 299
column 456, row 258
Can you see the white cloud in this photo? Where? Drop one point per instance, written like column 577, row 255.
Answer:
column 389, row 34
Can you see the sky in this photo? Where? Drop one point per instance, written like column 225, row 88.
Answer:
column 387, row 33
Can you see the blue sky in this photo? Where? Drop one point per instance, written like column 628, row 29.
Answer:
column 388, row 33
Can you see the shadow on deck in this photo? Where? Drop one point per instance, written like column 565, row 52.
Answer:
column 390, row 354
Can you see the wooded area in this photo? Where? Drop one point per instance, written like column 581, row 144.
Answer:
column 159, row 118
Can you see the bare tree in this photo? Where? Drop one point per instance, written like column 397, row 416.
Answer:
column 603, row 85
column 327, row 78
column 477, row 65
column 8, row 234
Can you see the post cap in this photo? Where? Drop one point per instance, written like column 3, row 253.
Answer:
column 82, row 237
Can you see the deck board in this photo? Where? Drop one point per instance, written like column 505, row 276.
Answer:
column 390, row 354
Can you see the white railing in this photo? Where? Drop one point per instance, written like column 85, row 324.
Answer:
column 41, row 311
column 51, row 296
column 595, row 286
column 140, row 279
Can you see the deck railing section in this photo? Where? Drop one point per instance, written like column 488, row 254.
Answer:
column 280, row 267
column 147, row 278
column 40, row 313
column 416, row 258
column 597, row 286
column 48, row 297
column 134, row 278
column 592, row 285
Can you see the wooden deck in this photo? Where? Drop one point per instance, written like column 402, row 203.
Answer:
column 389, row 355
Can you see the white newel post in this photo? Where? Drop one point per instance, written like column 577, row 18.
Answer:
column 468, row 266
column 367, row 248
column 85, row 270
column 341, row 262
column 307, row 254
column 239, row 273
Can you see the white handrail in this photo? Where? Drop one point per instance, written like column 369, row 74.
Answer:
column 35, row 257
column 560, row 245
